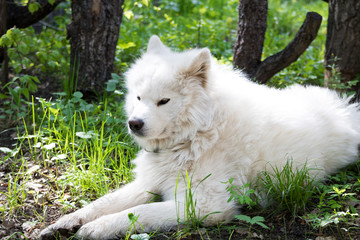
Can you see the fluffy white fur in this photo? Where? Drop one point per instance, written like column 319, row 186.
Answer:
column 191, row 114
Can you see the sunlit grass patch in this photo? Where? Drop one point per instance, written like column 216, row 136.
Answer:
column 85, row 147
column 288, row 188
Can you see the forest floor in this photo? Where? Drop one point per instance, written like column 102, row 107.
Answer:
column 39, row 206
column 40, row 200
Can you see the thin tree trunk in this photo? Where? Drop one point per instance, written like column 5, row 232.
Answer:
column 4, row 61
column 343, row 42
column 93, row 34
column 277, row 62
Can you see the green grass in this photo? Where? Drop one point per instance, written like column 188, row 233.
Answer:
column 192, row 217
column 288, row 188
column 90, row 149
column 336, row 199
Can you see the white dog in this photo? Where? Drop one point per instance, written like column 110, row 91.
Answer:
column 191, row 115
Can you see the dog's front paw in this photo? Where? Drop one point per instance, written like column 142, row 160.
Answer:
column 101, row 228
column 65, row 226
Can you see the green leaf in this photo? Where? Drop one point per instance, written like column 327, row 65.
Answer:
column 115, row 77
column 339, row 192
column 49, row 146
column 23, row 48
column 9, row 38
column 32, row 86
column 146, row 2
column 142, row 236
column 29, row 137
column 127, row 45
column 85, row 135
column 262, row 225
column 5, row 150
column 117, row 92
column 4, row 41
column 59, row 157
column 14, row 94
column 61, row 94
column 129, row 14
column 25, row 92
column 51, row 2
column 243, row 218
column 257, row 219
column 9, row 34
column 78, row 95
column 33, row 7
column 132, row 217
column 53, row 110
column 110, row 86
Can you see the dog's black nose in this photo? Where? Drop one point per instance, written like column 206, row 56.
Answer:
column 136, row 124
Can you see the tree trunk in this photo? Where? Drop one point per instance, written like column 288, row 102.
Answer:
column 250, row 40
column 4, row 61
column 251, row 35
column 93, row 34
column 343, row 42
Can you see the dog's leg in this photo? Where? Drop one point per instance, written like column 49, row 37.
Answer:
column 160, row 216
column 126, row 197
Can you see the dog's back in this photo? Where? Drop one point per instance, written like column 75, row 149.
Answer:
column 309, row 125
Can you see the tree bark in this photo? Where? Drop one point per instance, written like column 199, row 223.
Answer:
column 277, row 62
column 342, row 48
column 251, row 35
column 4, row 61
column 250, row 40
column 93, row 34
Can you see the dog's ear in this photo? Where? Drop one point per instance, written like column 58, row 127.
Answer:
column 200, row 66
column 155, row 45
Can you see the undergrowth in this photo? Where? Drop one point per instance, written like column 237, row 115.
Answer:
column 287, row 188
column 86, row 144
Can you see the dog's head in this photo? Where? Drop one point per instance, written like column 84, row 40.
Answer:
column 167, row 92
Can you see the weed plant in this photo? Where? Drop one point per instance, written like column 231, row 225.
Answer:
column 337, row 199
column 243, row 195
column 251, row 221
column 335, row 83
column 192, row 219
column 287, row 189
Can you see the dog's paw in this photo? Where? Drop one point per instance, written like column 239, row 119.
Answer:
column 65, row 226
column 99, row 229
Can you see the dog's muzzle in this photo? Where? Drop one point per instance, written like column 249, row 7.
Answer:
column 136, row 126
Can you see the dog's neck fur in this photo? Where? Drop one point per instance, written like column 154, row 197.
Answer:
column 184, row 146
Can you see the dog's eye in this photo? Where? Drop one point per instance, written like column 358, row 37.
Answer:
column 138, row 98
column 163, row 101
